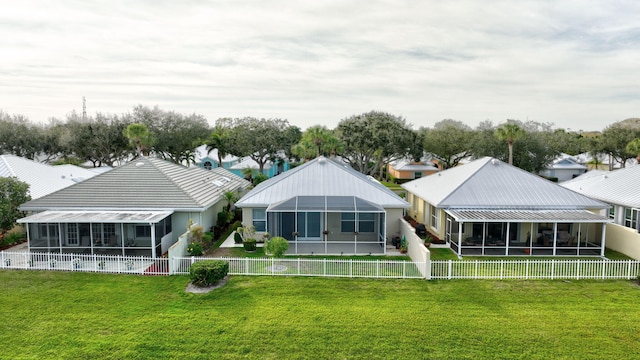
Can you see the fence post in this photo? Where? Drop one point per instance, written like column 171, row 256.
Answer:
column 501, row 268
column 350, row 267
column 553, row 269
column 378, row 268
column 604, row 265
column 629, row 269
column 449, row 269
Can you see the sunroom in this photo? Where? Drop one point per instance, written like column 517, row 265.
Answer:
column 130, row 233
column 327, row 224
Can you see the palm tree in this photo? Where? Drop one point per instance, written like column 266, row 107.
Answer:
column 231, row 197
column 634, row 148
column 219, row 139
column 510, row 132
column 139, row 137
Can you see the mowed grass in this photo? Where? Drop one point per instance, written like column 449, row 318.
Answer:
column 83, row 315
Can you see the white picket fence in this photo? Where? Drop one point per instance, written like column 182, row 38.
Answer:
column 311, row 267
column 439, row 269
column 535, row 269
column 84, row 263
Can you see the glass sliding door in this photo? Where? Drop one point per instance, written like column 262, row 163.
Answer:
column 309, row 225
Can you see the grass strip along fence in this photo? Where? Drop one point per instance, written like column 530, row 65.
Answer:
column 535, row 269
column 311, row 267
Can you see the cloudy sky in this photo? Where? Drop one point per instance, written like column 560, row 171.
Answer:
column 573, row 63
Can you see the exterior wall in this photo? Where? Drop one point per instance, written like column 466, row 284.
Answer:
column 393, row 224
column 624, row 240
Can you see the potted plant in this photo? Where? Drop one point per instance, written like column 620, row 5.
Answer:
column 77, row 263
column 250, row 245
column 129, row 264
column 101, row 265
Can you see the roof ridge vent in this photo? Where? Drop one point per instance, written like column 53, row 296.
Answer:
column 495, row 161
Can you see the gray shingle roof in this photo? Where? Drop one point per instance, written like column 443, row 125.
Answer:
column 490, row 183
column 321, row 177
column 621, row 187
column 145, row 183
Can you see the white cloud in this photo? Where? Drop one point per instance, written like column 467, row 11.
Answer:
column 572, row 62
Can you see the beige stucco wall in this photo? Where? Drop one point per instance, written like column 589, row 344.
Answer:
column 624, row 240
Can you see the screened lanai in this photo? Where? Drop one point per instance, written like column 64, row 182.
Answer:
column 526, row 232
column 328, row 225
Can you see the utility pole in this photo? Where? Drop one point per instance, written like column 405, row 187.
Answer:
column 84, row 109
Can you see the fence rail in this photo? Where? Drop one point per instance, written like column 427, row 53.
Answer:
column 535, row 269
column 310, row 267
column 85, row 263
column 439, row 269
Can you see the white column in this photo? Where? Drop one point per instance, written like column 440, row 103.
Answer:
column 604, row 236
column 153, row 240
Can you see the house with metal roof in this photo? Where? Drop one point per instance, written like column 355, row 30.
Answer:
column 488, row 207
column 139, row 208
column 564, row 167
column 407, row 169
column 619, row 189
column 42, row 178
column 325, row 207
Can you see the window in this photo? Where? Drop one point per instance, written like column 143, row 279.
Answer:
column 143, row 231
column 417, row 174
column 366, row 223
column 612, row 213
column 348, row 222
column 435, row 216
column 72, row 234
column 260, row 219
column 207, row 165
column 631, row 218
column 48, row 231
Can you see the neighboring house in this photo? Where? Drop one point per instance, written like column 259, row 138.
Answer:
column 43, row 179
column 324, row 207
column 621, row 189
column 209, row 160
column 270, row 169
column 603, row 161
column 488, row 207
column 565, row 167
column 406, row 169
column 139, row 208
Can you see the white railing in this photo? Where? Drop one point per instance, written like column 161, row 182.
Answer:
column 310, row 267
column 86, row 263
column 535, row 269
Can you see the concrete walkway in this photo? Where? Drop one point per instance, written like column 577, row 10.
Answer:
column 22, row 247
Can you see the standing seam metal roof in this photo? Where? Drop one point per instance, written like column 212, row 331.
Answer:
column 621, row 187
column 490, row 183
column 321, row 177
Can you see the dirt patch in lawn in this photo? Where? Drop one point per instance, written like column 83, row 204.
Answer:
column 203, row 290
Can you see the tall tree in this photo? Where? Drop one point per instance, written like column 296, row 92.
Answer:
column 372, row 140
column 220, row 140
column 260, row 139
column 448, row 141
column 634, row 148
column 18, row 136
column 175, row 135
column 615, row 138
column 317, row 140
column 139, row 137
column 98, row 139
column 13, row 193
column 510, row 132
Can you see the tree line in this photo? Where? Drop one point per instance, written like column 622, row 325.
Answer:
column 367, row 142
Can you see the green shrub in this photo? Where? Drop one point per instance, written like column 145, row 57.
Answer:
column 276, row 246
column 250, row 245
column 205, row 273
column 196, row 233
column 223, row 218
column 237, row 238
column 195, row 249
column 207, row 238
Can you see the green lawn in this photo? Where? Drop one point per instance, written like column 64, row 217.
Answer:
column 83, row 315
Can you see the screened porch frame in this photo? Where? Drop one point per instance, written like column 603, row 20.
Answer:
column 284, row 219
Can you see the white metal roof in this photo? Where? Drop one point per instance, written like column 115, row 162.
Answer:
column 515, row 215
column 43, row 179
column 127, row 217
column 621, row 187
column 321, row 177
column 491, row 183
column 247, row 162
column 201, row 153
